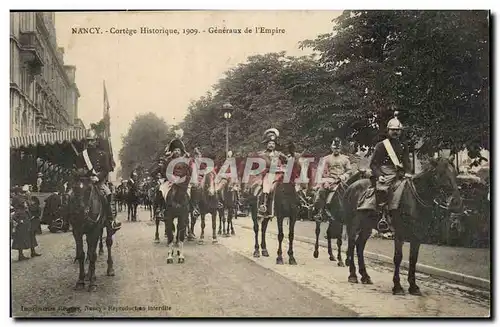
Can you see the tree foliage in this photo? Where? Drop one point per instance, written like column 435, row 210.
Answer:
column 147, row 136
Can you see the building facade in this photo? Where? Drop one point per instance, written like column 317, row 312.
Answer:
column 43, row 92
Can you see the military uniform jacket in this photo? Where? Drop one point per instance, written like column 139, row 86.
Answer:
column 269, row 156
column 335, row 166
column 100, row 162
column 381, row 158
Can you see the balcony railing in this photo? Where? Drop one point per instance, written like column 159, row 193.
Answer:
column 32, row 51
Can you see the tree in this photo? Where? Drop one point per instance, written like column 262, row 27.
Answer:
column 147, row 136
column 432, row 66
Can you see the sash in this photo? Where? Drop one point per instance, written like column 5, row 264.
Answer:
column 87, row 160
column 391, row 153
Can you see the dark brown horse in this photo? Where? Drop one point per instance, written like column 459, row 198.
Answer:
column 227, row 201
column 410, row 221
column 87, row 216
column 208, row 205
column 336, row 219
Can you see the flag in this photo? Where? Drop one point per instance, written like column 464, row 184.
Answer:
column 107, row 125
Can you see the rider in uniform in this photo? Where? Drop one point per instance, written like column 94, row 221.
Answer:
column 390, row 162
column 338, row 168
column 99, row 165
column 269, row 155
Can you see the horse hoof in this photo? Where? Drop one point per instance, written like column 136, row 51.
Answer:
column 157, row 240
column 256, row 254
column 292, row 261
column 200, row 242
column 79, row 286
column 398, row 290
column 219, row 232
column 92, row 288
column 170, row 260
column 352, row 279
column 316, row 254
column 332, row 258
column 414, row 291
column 265, row 253
column 233, row 233
column 111, row 272
column 366, row 280
column 101, row 252
column 214, row 241
column 340, row 264
column 279, row 260
column 180, row 260
column 86, row 277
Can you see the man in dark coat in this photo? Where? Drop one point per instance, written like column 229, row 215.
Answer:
column 98, row 163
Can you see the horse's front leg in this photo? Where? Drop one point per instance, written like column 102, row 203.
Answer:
column 281, row 235
column 414, row 249
column 398, row 257
column 214, row 225
column 92, row 240
column 202, row 233
column 317, row 230
column 101, row 248
column 339, row 248
column 263, row 245
column 157, row 234
column 109, row 244
column 129, row 209
column 291, row 234
column 351, row 243
column 221, row 215
column 360, row 249
column 253, row 209
column 230, row 213
column 169, row 224
column 80, row 257
column 329, row 237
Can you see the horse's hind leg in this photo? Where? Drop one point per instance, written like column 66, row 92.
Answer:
column 92, row 251
column 101, row 248
column 281, row 235
column 317, row 230
column 109, row 244
column 360, row 249
column 351, row 243
column 339, row 253
column 157, row 235
column 221, row 215
column 181, row 226
column 230, row 213
column 329, row 236
column 169, row 221
column 414, row 249
column 202, row 233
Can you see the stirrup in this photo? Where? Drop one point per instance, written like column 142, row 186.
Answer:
column 262, row 209
column 116, row 225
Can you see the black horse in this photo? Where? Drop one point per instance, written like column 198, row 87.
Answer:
column 228, row 197
column 87, row 216
column 132, row 202
column 411, row 219
column 336, row 219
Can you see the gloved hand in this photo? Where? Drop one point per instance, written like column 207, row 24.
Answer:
column 382, row 179
column 407, row 175
column 94, row 179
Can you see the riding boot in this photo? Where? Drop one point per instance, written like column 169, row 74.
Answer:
column 116, row 225
column 263, row 206
column 382, row 212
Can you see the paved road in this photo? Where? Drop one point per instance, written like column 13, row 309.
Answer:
column 469, row 261
column 216, row 280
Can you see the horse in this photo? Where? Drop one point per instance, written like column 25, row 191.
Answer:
column 410, row 220
column 132, row 199
column 228, row 196
column 87, row 216
column 208, row 205
column 336, row 220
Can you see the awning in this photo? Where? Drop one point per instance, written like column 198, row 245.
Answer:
column 34, row 140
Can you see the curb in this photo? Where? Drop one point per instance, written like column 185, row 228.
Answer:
column 421, row 268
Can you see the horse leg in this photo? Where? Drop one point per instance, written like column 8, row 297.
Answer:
column 339, row 248
column 414, row 249
column 214, row 226
column 202, row 233
column 193, row 223
column 169, row 222
column 329, row 236
column 398, row 257
column 101, row 248
column 360, row 248
column 80, row 256
column 279, row 259
column 129, row 209
column 181, row 226
column 256, row 252
column 220, row 223
column 351, row 242
column 92, row 252
column 263, row 246
column 316, row 245
column 109, row 245
column 291, row 232
column 157, row 235
column 230, row 213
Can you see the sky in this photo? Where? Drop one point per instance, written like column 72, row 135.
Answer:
column 163, row 73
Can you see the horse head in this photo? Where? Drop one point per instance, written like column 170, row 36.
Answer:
column 85, row 198
column 443, row 180
column 209, row 183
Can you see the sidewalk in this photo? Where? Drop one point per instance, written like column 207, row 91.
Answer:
column 467, row 261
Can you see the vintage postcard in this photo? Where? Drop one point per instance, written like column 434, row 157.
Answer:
column 250, row 164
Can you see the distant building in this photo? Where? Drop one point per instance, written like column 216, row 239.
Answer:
column 43, row 93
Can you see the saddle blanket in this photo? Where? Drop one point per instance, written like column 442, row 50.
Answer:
column 368, row 201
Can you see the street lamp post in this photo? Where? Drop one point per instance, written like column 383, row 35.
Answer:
column 227, row 110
